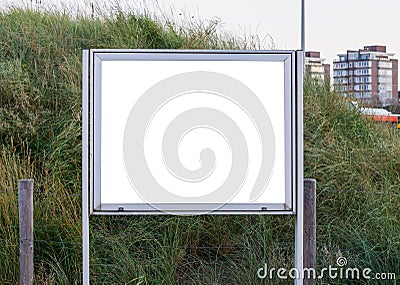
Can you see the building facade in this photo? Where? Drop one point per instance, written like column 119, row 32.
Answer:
column 369, row 75
column 316, row 67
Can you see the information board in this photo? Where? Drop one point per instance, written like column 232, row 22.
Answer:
column 192, row 131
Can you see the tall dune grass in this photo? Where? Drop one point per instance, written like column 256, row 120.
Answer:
column 355, row 161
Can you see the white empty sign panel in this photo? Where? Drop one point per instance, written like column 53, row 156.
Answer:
column 192, row 132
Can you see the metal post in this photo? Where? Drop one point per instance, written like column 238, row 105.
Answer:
column 85, row 148
column 303, row 26
column 299, row 239
column 310, row 236
column 25, row 209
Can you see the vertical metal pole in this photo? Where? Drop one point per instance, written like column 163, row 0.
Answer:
column 303, row 26
column 25, row 209
column 85, row 171
column 299, row 245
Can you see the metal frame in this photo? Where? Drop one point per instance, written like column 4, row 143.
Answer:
column 91, row 202
column 289, row 60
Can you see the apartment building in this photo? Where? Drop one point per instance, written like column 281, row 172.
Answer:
column 316, row 67
column 369, row 75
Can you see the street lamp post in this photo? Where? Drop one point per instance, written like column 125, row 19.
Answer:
column 303, row 26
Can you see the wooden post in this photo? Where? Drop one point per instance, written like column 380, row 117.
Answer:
column 310, row 234
column 25, row 206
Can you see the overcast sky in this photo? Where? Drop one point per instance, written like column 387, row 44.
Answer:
column 331, row 26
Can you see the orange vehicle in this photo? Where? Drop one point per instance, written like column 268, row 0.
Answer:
column 379, row 115
column 393, row 118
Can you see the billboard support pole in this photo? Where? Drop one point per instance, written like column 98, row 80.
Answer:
column 85, row 151
column 299, row 226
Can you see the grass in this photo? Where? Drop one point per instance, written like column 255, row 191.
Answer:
column 40, row 135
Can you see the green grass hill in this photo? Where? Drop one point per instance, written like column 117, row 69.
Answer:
column 355, row 161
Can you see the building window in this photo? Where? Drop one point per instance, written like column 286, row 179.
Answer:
column 353, row 56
